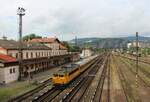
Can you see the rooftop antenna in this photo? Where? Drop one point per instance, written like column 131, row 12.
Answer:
column 20, row 12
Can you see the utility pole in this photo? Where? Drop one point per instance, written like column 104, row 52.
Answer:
column 76, row 41
column 20, row 12
column 137, row 55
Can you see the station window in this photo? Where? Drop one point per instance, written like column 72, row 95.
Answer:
column 55, row 75
column 39, row 55
column 31, row 55
column 10, row 71
column 14, row 70
column 16, row 55
column 27, row 55
column 36, row 54
column 42, row 54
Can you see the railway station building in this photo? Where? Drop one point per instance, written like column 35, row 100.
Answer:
column 38, row 55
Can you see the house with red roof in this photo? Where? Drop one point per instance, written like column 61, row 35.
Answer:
column 57, row 47
column 9, row 69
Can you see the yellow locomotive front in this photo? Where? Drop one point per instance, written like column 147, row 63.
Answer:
column 60, row 79
column 65, row 75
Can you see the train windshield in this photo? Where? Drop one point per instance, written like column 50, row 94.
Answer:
column 55, row 75
column 61, row 75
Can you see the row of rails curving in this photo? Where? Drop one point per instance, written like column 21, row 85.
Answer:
column 84, row 91
column 141, row 69
column 58, row 93
column 126, row 71
column 134, row 59
column 38, row 92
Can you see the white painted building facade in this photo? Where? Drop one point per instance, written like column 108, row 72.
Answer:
column 9, row 74
column 86, row 53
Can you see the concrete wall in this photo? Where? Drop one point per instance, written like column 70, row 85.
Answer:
column 7, row 76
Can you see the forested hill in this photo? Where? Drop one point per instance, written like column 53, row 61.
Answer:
column 107, row 42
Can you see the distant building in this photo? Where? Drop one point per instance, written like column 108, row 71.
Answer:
column 141, row 44
column 129, row 45
column 86, row 53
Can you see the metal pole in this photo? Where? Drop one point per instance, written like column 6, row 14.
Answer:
column 75, row 40
column 21, row 12
column 137, row 54
column 20, row 46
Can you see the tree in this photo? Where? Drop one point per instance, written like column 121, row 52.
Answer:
column 65, row 43
column 30, row 37
column 71, row 48
column 75, row 49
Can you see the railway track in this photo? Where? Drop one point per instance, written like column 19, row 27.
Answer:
column 123, row 81
column 108, row 78
column 99, row 89
column 139, row 77
column 128, row 83
column 134, row 59
column 79, row 94
column 56, row 91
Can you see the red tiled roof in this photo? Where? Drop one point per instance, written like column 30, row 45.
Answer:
column 44, row 40
column 62, row 47
column 7, row 58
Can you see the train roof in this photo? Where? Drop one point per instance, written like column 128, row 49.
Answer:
column 67, row 69
column 83, row 61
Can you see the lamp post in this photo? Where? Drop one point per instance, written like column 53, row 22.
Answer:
column 20, row 12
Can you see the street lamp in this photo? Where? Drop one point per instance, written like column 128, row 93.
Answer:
column 20, row 12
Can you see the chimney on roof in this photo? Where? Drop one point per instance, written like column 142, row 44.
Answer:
column 4, row 38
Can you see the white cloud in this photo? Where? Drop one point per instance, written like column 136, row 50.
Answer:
column 70, row 18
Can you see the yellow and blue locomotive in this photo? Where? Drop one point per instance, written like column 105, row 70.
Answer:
column 68, row 72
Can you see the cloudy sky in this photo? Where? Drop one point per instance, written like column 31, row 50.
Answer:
column 82, row 18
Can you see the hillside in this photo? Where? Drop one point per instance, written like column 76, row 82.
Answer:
column 107, row 42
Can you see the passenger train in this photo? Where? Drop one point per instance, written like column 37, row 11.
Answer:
column 69, row 72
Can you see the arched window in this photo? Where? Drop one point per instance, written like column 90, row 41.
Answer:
column 31, row 55
column 27, row 56
column 16, row 55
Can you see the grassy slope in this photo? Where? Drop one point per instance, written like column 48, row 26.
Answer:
column 8, row 92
